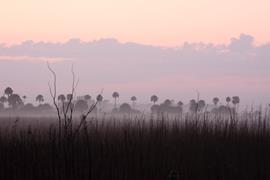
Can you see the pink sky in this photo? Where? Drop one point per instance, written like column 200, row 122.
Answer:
column 237, row 67
column 158, row 22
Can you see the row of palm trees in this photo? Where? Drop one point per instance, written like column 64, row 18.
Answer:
column 15, row 100
column 116, row 95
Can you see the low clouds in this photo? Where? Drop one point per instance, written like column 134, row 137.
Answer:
column 130, row 66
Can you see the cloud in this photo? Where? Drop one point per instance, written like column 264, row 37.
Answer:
column 243, row 44
column 109, row 63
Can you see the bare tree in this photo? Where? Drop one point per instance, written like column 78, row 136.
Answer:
column 67, row 118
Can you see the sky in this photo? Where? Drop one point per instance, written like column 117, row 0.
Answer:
column 156, row 22
column 171, row 48
column 239, row 68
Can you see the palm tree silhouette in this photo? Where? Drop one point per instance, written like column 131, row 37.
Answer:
column 3, row 99
column 115, row 95
column 228, row 100
column 87, row 97
column 180, row 104
column 14, row 100
column 69, row 97
column 99, row 98
column 133, row 99
column 235, row 100
column 154, row 99
column 193, row 106
column 61, row 98
column 24, row 98
column 8, row 91
column 215, row 100
column 39, row 98
column 167, row 102
column 201, row 105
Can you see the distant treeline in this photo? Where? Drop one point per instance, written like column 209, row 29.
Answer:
column 13, row 101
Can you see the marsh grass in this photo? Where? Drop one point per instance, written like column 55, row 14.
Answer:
column 196, row 147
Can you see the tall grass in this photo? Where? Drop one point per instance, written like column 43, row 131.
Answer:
column 195, row 147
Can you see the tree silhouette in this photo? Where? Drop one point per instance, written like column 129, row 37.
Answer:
column 180, row 106
column 133, row 99
column 201, row 105
column 154, row 99
column 44, row 107
column 8, row 91
column 2, row 106
column 87, row 97
column 28, row 107
column 167, row 102
column 40, row 98
column 24, row 98
column 3, row 99
column 61, row 98
column 115, row 95
column 14, row 100
column 235, row 100
column 125, row 108
column 228, row 100
column 215, row 100
column 99, row 98
column 180, row 103
column 69, row 97
column 81, row 105
column 193, row 106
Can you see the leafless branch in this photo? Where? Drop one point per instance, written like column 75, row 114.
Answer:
column 53, row 95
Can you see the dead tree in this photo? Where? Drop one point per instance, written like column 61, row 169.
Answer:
column 65, row 119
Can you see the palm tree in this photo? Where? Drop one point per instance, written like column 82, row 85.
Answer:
column 87, row 97
column 235, row 100
column 215, row 100
column 24, row 98
column 81, row 105
column 201, row 105
column 40, row 98
column 8, row 91
column 133, row 99
column 3, row 99
column 61, row 98
column 154, row 99
column 69, row 97
column 115, row 95
column 167, row 102
column 193, row 106
column 14, row 100
column 228, row 100
column 180, row 104
column 99, row 98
